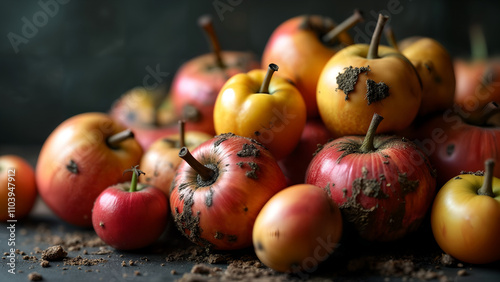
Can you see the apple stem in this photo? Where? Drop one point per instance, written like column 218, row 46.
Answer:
column 487, row 187
column 488, row 115
column 135, row 174
column 182, row 133
column 117, row 138
column 479, row 48
column 264, row 88
column 206, row 23
column 391, row 37
column 204, row 172
column 367, row 145
column 347, row 24
column 375, row 42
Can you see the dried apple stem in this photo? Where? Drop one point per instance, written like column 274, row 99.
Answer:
column 115, row 139
column 264, row 88
column 478, row 46
column 135, row 175
column 487, row 188
column 347, row 24
column 367, row 145
column 204, row 172
column 485, row 116
column 182, row 133
column 206, row 23
column 375, row 42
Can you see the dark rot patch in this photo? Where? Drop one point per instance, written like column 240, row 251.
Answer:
column 328, row 189
column 407, row 186
column 248, row 150
column 222, row 137
column 348, row 79
column 450, row 149
column 219, row 235
column 254, row 167
column 257, row 133
column 376, row 91
column 476, row 173
column 72, row 167
column 369, row 187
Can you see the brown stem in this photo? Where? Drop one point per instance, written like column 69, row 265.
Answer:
column 487, row 187
column 264, row 88
column 206, row 23
column 375, row 42
column 182, row 133
column 204, row 172
column 115, row 139
column 367, row 145
column 391, row 38
column 488, row 115
column 347, row 24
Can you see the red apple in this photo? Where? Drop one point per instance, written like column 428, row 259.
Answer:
column 301, row 46
column 161, row 160
column 130, row 216
column 219, row 190
column 198, row 81
column 295, row 164
column 83, row 156
column 383, row 185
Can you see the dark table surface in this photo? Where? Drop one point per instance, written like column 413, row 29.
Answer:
column 416, row 257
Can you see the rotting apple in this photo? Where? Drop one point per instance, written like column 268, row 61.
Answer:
column 383, row 184
column 198, row 81
column 263, row 107
column 465, row 217
column 84, row 155
column 220, row 188
column 361, row 80
column 302, row 46
column 295, row 164
column 18, row 190
column 456, row 141
column 130, row 215
column 161, row 160
column 297, row 229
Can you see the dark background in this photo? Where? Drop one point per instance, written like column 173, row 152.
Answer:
column 87, row 53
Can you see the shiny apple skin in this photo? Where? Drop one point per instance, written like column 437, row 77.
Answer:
column 81, row 141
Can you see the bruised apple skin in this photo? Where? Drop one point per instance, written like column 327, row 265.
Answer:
column 383, row 190
column 215, row 206
column 302, row 216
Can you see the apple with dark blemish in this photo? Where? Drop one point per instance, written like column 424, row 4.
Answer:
column 220, row 188
column 383, row 184
column 83, row 156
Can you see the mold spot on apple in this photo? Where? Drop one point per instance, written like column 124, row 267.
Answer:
column 348, row 79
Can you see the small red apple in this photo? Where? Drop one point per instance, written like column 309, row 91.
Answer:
column 83, row 156
column 129, row 215
column 219, row 190
column 198, row 81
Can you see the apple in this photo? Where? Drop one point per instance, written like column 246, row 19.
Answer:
column 129, row 216
column 84, row 155
column 18, row 190
column 383, row 184
column 301, row 46
column 161, row 159
column 295, row 164
column 220, row 188
column 198, row 81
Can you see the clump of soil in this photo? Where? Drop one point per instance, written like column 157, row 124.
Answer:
column 73, row 241
column 54, row 253
column 34, row 276
column 79, row 261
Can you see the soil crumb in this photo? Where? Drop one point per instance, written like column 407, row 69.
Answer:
column 54, row 253
column 34, row 276
column 79, row 261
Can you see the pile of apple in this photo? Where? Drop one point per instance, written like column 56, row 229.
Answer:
column 321, row 135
